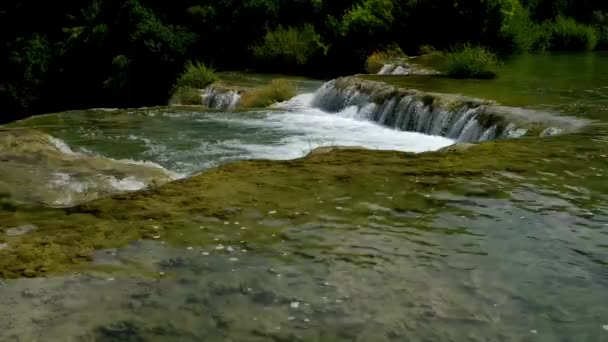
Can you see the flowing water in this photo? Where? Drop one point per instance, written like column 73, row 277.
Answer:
column 504, row 241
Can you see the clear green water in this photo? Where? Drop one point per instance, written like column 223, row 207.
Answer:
column 506, row 241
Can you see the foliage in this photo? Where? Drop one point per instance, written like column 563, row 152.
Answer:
column 428, row 50
column 196, row 75
column 468, row 61
column 378, row 59
column 567, row 34
column 186, row 96
column 368, row 16
column 289, row 48
column 69, row 54
column 277, row 91
column 521, row 34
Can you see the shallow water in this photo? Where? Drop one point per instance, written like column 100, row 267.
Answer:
column 187, row 142
column 507, row 241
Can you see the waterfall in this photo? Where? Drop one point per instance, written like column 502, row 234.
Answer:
column 463, row 121
column 220, row 99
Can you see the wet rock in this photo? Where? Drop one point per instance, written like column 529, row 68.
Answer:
column 21, row 230
column 29, row 273
column 120, row 331
column 264, row 298
column 329, row 149
column 457, row 147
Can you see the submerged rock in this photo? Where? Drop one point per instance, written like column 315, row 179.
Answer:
column 457, row 147
column 21, row 230
column 35, row 167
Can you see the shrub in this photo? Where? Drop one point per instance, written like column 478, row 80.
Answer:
column 196, row 75
column 569, row 35
column 289, row 48
column 467, row 61
column 378, row 59
column 521, row 34
column 186, row 96
column 278, row 90
column 428, row 50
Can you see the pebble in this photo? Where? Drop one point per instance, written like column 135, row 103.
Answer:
column 190, row 248
column 205, row 253
column 161, row 273
column 226, row 222
column 21, row 230
column 155, row 227
column 243, row 228
column 294, row 305
column 220, row 247
column 533, row 331
column 290, row 318
column 272, row 212
column 230, row 249
column 306, row 320
column 605, row 327
column 236, row 223
column 234, row 259
column 156, row 237
column 110, row 279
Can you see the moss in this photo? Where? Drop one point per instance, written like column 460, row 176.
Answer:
column 378, row 59
column 186, row 96
column 277, row 91
column 428, row 100
column 192, row 212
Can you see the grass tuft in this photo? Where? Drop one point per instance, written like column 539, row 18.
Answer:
column 196, row 75
column 467, row 61
column 277, row 91
column 378, row 59
column 186, row 96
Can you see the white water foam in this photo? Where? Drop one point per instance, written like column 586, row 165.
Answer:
column 310, row 128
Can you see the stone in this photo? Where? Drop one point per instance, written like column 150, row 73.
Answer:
column 21, row 230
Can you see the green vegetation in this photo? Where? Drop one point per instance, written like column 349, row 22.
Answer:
column 196, row 75
column 66, row 238
column 467, row 61
column 289, row 49
column 186, row 96
column 277, row 91
column 71, row 54
column 565, row 34
column 378, row 59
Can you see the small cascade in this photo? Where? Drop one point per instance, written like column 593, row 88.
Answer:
column 220, row 99
column 405, row 68
column 414, row 112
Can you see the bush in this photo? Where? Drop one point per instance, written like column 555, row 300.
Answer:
column 289, row 48
column 566, row 34
column 196, row 75
column 428, row 50
column 466, row 61
column 521, row 34
column 186, row 96
column 378, row 59
column 277, row 91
